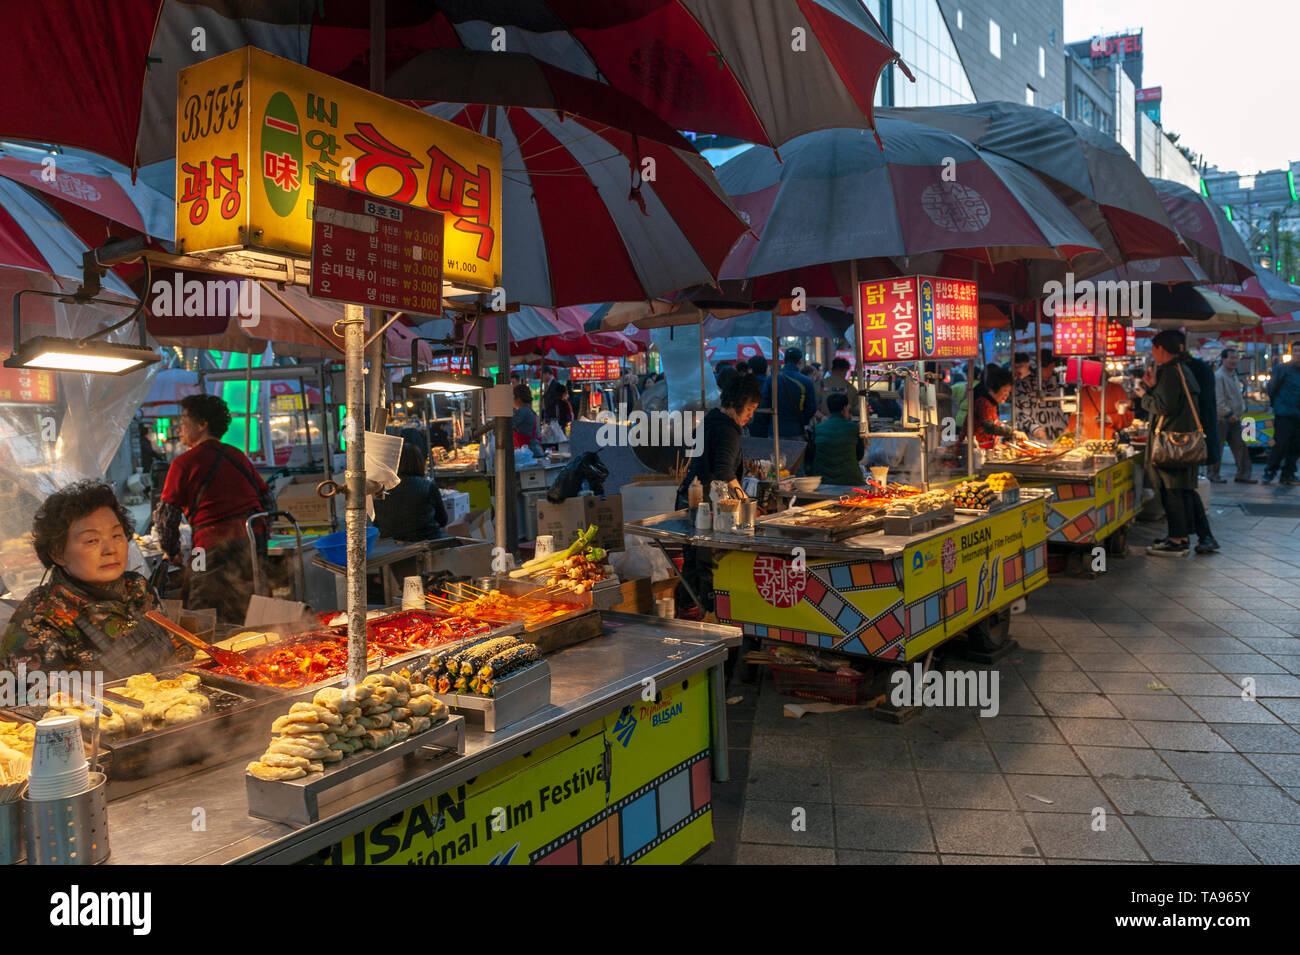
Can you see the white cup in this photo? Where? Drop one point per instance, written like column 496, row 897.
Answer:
column 412, row 593
column 544, row 546
column 58, row 748
column 72, row 783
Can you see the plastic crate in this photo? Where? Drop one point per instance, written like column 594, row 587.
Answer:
column 847, row 688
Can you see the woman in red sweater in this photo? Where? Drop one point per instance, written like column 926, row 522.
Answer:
column 993, row 390
column 215, row 487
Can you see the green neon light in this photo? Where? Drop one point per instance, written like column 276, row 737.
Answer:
column 1290, row 182
column 1204, row 191
column 343, row 441
column 1228, row 211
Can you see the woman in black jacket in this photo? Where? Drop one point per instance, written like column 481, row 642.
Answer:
column 1170, row 395
column 412, row 511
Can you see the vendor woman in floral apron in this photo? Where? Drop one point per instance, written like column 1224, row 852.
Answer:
column 90, row 612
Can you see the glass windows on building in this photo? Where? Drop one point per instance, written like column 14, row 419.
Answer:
column 921, row 36
column 1042, row 62
column 995, row 39
column 1030, row 95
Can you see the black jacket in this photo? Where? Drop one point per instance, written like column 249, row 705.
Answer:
column 412, row 511
column 720, row 457
column 1207, row 407
column 550, row 400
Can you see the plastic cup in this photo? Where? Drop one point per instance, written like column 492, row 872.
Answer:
column 58, row 747
column 412, row 593
column 881, row 475
column 544, row 546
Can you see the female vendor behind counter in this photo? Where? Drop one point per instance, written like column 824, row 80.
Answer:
column 90, row 614
column 993, row 390
column 720, row 459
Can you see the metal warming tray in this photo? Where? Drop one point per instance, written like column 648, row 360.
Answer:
column 520, row 694
column 296, row 802
column 784, row 523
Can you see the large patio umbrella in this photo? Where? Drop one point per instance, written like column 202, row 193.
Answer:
column 834, row 197
column 1215, row 244
column 1090, row 172
column 820, row 322
column 1198, row 310
column 1264, row 293
column 731, row 67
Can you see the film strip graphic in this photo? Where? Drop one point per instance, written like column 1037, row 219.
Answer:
column 1083, row 528
column 625, row 831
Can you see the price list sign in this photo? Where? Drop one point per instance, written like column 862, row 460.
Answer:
column 888, row 320
column 28, row 386
column 949, row 310
column 1072, row 332
column 595, row 368
column 375, row 252
column 1119, row 341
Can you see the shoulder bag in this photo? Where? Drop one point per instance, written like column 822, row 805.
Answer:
column 1179, row 449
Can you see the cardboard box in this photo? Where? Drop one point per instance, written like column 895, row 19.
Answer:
column 298, row 497
column 564, row 521
column 632, row 596
column 648, row 497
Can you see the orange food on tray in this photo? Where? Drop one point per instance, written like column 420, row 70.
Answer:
column 873, row 495
column 503, row 608
column 297, row 664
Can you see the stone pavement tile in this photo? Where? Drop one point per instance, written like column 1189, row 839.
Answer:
column 1288, row 711
column 1225, row 709
column 934, row 725
column 1194, row 628
column 982, row 832
column 1074, row 627
column 787, row 751
column 965, row 791
column 1067, row 793
column 1059, row 681
column 874, row 787
column 1290, row 662
column 1204, row 841
column 1037, row 660
column 1020, row 729
column 1116, row 661
column 1199, row 684
column 1270, row 685
column 861, row 723
column 1138, row 646
column 990, row 860
column 1106, row 762
column 1181, row 736
column 1078, row 704
column 1087, row 643
column 1133, row 631
column 753, row 854
column 1250, row 804
column 769, row 821
column 1097, row 732
column 1282, row 769
column 1036, row 641
column 1204, row 645
column 1018, row 703
column 1274, row 844
column 739, row 734
column 870, row 753
column 1252, row 630
column 738, row 763
column 1124, row 682
column 1153, row 707
column 1241, row 663
column 952, row 756
column 1174, row 662
column 893, row 829
column 1071, row 836
column 858, row 857
column 1256, row 738
column 799, row 784
column 1037, row 759
column 1212, row 768
column 777, row 723
column 1153, row 797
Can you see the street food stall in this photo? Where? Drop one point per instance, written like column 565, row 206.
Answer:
column 1094, row 485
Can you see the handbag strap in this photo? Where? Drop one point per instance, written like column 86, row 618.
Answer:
column 1187, row 391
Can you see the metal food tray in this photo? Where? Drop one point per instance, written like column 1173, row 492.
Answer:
column 520, row 694
column 296, row 802
column 905, row 525
column 773, row 522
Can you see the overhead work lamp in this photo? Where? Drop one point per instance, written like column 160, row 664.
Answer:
column 447, row 382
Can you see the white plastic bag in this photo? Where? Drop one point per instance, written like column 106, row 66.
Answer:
column 641, row 560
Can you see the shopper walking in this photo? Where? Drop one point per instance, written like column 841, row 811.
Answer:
column 1284, row 390
column 1169, row 394
column 1231, row 404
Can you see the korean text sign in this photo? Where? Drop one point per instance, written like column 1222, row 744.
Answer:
column 1073, row 331
column 255, row 132
column 915, row 317
column 371, row 252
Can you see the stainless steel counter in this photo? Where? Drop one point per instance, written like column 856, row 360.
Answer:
column 677, row 529
column 163, row 825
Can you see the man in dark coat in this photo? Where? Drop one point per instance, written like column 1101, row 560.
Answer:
column 552, row 393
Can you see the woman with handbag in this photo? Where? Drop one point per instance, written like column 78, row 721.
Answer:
column 1176, row 448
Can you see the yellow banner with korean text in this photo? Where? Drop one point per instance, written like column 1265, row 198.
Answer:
column 255, row 132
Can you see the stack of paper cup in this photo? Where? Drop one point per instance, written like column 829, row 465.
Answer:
column 545, row 545
column 59, row 765
column 413, row 593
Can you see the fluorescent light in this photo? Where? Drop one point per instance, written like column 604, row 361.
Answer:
column 69, row 354
column 444, row 381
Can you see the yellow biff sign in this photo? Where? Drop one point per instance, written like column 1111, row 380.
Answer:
column 255, row 132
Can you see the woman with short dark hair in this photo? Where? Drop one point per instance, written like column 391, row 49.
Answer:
column 524, row 421
column 216, row 488
column 994, row 389
column 90, row 613
column 412, row 511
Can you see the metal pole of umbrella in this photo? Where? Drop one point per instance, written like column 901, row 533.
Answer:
column 505, row 532
column 859, row 373
column 354, row 336
column 248, row 404
column 968, row 396
column 776, row 384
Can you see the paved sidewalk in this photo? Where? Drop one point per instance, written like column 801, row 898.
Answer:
column 1126, row 696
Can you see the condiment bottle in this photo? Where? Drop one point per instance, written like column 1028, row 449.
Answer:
column 695, row 494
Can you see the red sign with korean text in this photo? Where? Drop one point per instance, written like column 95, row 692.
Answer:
column 949, row 310
column 889, row 320
column 1119, row 340
column 375, row 252
column 918, row 316
column 1073, row 332
column 595, row 368
column 27, row 386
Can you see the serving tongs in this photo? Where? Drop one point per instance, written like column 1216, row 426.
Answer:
column 227, row 658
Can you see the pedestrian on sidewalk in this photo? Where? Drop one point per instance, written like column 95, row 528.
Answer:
column 1231, row 403
column 1284, row 390
column 1169, row 394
